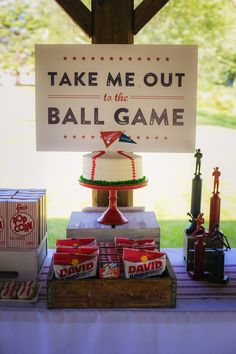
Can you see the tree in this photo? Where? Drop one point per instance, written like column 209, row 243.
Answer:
column 23, row 23
column 208, row 24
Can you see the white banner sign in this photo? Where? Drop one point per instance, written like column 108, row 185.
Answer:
column 138, row 98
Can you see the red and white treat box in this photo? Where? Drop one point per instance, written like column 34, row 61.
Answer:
column 3, row 223
column 23, row 223
column 40, row 195
column 27, row 196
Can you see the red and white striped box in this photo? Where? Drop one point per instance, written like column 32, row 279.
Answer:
column 23, row 223
column 39, row 194
column 28, row 197
column 3, row 222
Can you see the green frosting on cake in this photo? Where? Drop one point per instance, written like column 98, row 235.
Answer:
column 116, row 183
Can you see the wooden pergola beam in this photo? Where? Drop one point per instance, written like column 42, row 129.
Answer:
column 79, row 13
column 145, row 11
column 82, row 16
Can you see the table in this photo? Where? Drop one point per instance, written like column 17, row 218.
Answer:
column 204, row 323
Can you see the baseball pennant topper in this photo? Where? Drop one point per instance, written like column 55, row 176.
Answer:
column 109, row 137
column 126, row 139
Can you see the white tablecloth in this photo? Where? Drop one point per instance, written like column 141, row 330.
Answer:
column 195, row 326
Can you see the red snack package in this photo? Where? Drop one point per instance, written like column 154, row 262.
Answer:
column 76, row 242
column 109, row 267
column 84, row 250
column 142, row 264
column 105, row 244
column 145, row 243
column 74, row 266
column 103, row 250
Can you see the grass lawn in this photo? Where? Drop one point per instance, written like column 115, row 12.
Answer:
column 171, row 231
column 213, row 118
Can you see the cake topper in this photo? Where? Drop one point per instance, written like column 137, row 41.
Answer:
column 109, row 137
column 198, row 156
column 215, row 201
column 196, row 193
column 200, row 229
column 216, row 173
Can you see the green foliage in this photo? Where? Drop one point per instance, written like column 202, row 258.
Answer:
column 217, row 106
column 208, row 24
column 24, row 23
column 18, row 25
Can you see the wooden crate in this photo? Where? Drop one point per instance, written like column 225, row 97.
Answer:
column 154, row 292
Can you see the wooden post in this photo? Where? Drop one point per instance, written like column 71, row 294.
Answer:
column 112, row 22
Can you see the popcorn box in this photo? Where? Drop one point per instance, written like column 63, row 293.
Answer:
column 3, row 222
column 41, row 194
column 23, row 223
column 39, row 198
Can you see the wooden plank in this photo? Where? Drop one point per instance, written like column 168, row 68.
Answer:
column 79, row 13
column 145, row 11
column 112, row 21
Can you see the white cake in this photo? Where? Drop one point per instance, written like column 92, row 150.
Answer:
column 113, row 167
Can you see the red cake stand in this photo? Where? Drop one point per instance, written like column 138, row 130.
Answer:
column 112, row 215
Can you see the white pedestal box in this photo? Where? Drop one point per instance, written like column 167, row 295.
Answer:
column 139, row 225
column 22, row 264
